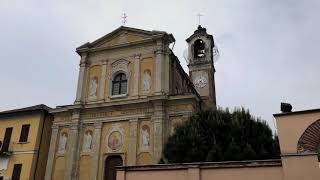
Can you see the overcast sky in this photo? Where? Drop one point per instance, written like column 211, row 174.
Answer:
column 269, row 49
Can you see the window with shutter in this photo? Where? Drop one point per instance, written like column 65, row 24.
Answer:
column 24, row 133
column 6, row 140
column 16, row 172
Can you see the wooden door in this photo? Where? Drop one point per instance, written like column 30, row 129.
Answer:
column 109, row 167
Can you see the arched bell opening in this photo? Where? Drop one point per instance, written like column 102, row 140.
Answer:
column 199, row 48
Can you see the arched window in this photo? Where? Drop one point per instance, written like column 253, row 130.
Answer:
column 310, row 139
column 119, row 84
column 199, row 48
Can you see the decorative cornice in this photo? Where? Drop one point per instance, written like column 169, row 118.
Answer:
column 118, row 46
column 148, row 99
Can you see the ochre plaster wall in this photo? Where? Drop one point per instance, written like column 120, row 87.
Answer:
column 58, row 172
column 25, row 153
column 16, row 123
column 85, row 164
column 28, row 165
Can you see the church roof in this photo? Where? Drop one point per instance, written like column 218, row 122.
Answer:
column 145, row 33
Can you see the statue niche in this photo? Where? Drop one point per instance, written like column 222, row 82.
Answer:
column 146, row 81
column 87, row 141
column 62, row 143
column 93, row 87
column 145, row 138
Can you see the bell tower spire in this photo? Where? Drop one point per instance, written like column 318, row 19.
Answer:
column 201, row 49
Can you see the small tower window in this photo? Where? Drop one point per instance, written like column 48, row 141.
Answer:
column 199, row 48
column 119, row 84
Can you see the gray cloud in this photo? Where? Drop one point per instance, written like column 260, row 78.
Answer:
column 269, row 48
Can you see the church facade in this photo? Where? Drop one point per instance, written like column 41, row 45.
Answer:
column 132, row 92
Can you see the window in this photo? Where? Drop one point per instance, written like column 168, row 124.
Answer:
column 24, row 133
column 119, row 84
column 16, row 172
column 6, row 140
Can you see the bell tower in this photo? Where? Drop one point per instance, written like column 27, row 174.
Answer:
column 201, row 55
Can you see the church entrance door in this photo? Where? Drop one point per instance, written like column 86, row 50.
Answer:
column 109, row 167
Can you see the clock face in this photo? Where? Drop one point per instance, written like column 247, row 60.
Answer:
column 200, row 81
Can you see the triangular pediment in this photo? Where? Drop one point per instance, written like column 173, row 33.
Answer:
column 122, row 35
column 121, row 38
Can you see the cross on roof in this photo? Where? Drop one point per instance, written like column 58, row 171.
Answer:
column 199, row 17
column 124, row 18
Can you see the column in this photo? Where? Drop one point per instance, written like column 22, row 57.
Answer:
column 158, row 120
column 102, row 83
column 72, row 148
column 77, row 153
column 136, row 80
column 158, row 68
column 82, row 80
column 132, row 151
column 95, row 151
column 52, row 152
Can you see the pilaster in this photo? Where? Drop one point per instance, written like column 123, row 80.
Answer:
column 158, row 68
column 52, row 152
column 95, row 151
column 102, row 80
column 166, row 79
column 158, row 123
column 132, row 151
column 72, row 154
column 81, row 88
column 136, row 75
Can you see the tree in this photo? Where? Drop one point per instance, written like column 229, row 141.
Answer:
column 221, row 135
